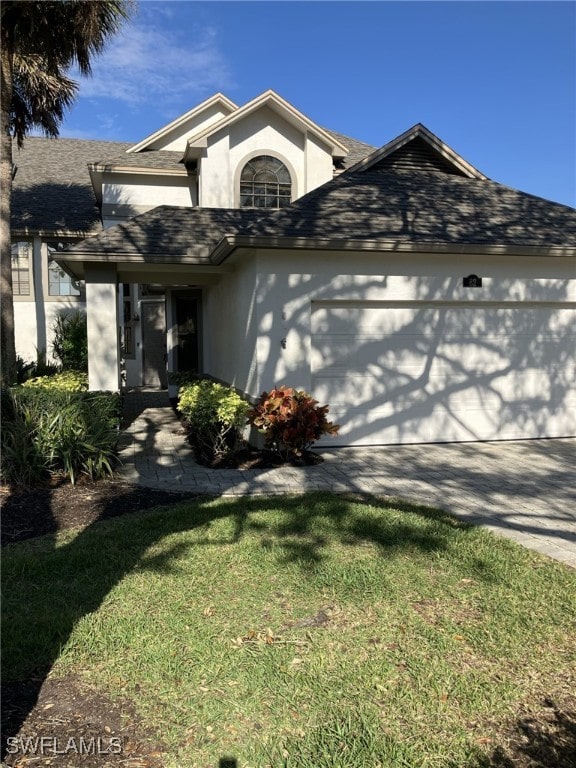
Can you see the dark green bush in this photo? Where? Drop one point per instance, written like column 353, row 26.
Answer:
column 70, row 340
column 26, row 370
column 57, row 432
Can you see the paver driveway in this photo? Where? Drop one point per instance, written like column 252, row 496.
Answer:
column 525, row 490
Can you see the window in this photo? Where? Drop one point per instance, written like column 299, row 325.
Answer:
column 128, row 322
column 265, row 183
column 59, row 282
column 21, row 262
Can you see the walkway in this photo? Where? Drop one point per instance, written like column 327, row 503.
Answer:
column 524, row 490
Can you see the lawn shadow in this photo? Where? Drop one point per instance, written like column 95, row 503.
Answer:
column 76, row 576
column 545, row 738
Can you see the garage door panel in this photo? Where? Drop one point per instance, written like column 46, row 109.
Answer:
column 412, row 374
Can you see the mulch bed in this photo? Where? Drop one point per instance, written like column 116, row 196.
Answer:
column 58, row 506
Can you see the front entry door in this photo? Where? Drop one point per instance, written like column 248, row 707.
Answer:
column 187, row 337
column 153, row 344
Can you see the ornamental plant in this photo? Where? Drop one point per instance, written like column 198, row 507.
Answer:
column 55, row 432
column 216, row 415
column 291, row 421
column 66, row 381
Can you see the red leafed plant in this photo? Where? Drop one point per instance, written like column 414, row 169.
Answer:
column 291, row 421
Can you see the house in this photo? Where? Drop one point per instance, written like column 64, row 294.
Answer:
column 421, row 300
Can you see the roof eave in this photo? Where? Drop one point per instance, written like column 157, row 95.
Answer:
column 136, row 169
column 229, row 243
column 270, row 98
column 217, row 98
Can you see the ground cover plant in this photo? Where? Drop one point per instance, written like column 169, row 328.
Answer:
column 52, row 427
column 307, row 631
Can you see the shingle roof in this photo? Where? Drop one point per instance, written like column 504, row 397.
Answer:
column 379, row 205
column 161, row 159
column 171, row 232
column 52, row 189
column 357, row 150
column 422, row 206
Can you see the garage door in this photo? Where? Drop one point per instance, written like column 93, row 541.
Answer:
column 445, row 373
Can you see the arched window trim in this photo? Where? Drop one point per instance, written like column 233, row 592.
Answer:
column 274, row 193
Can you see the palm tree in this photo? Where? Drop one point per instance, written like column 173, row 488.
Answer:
column 40, row 41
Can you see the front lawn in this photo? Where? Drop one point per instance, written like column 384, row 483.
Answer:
column 306, row 631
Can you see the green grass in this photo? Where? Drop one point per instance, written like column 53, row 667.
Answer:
column 309, row 631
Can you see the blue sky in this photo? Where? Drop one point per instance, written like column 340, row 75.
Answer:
column 495, row 80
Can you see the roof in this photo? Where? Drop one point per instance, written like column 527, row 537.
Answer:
column 267, row 99
column 380, row 208
column 218, row 99
column 52, row 191
column 168, row 232
column 419, row 134
column 398, row 205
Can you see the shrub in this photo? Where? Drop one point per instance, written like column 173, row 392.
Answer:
column 51, row 431
column 70, row 340
column 28, row 370
column 22, row 463
column 291, row 421
column 67, row 381
column 216, row 415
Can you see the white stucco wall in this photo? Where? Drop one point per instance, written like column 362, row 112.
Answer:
column 400, row 350
column 263, row 132
column 143, row 191
column 175, row 139
column 34, row 324
column 103, row 341
column 229, row 328
column 35, row 315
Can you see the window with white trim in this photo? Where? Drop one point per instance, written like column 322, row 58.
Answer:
column 21, row 263
column 265, row 182
column 59, row 282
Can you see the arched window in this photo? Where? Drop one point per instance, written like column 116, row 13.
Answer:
column 265, row 183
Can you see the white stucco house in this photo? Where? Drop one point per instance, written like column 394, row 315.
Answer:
column 419, row 299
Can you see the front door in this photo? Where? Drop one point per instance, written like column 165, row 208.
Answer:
column 187, row 334
column 153, row 344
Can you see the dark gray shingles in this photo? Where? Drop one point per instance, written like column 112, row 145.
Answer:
column 169, row 232
column 422, row 207
column 404, row 207
column 158, row 159
column 52, row 189
column 357, row 150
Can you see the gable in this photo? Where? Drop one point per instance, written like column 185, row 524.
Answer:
column 417, row 155
column 272, row 101
column 418, row 146
column 173, row 137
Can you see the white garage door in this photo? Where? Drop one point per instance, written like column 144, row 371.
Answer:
column 445, row 373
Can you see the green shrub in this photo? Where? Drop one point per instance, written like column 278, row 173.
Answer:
column 216, row 415
column 291, row 421
column 67, row 381
column 21, row 461
column 58, row 432
column 26, row 370
column 180, row 378
column 70, row 340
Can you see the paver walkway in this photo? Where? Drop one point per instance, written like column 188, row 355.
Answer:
column 525, row 489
